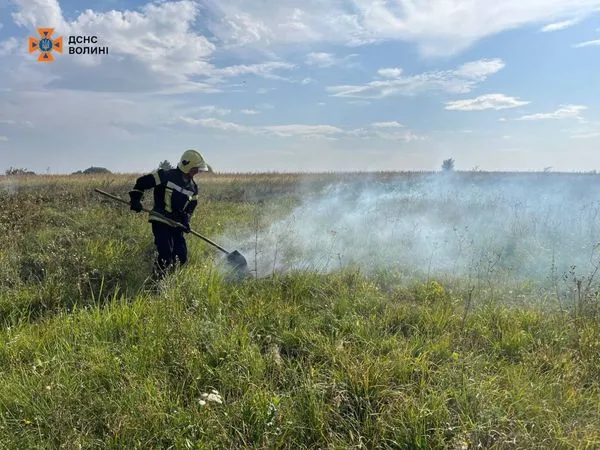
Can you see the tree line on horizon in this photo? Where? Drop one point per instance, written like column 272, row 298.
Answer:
column 446, row 166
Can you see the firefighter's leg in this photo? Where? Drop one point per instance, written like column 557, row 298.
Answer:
column 163, row 239
column 180, row 247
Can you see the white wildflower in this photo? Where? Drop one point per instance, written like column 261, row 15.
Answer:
column 215, row 398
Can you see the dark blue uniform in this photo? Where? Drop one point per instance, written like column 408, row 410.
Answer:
column 175, row 197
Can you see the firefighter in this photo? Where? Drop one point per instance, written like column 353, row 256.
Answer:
column 175, row 197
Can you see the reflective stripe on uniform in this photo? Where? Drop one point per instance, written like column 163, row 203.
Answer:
column 168, row 195
column 172, row 185
column 156, row 177
column 193, row 199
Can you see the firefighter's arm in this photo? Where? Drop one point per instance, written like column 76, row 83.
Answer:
column 142, row 184
column 189, row 210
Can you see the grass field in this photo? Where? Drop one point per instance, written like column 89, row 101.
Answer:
column 385, row 310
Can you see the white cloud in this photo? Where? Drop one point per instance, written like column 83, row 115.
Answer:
column 300, row 130
column 250, row 111
column 264, row 70
column 457, row 81
column 323, row 59
column 587, row 43
column 38, row 13
column 480, row 69
column 390, row 72
column 488, row 101
column 557, row 26
column 3, row 138
column 219, row 124
column 212, row 110
column 392, row 124
column 437, row 27
column 275, row 130
column 385, row 134
column 564, row 112
column 9, row 46
column 309, row 131
column 405, row 136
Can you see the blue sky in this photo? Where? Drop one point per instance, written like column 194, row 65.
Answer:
column 304, row 86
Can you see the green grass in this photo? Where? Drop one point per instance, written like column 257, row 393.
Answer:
column 90, row 358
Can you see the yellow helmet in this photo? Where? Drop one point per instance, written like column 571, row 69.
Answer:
column 190, row 159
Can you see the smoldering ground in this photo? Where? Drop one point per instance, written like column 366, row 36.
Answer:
column 485, row 225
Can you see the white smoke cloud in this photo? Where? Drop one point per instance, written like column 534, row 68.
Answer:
column 8, row 185
column 513, row 227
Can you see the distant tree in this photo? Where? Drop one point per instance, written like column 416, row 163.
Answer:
column 15, row 171
column 165, row 165
column 448, row 165
column 547, row 169
column 95, row 170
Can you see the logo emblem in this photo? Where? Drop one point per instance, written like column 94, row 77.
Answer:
column 46, row 45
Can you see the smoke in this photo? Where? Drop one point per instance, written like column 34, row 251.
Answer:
column 8, row 185
column 511, row 227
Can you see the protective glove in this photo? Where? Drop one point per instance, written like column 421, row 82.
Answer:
column 186, row 225
column 135, row 203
